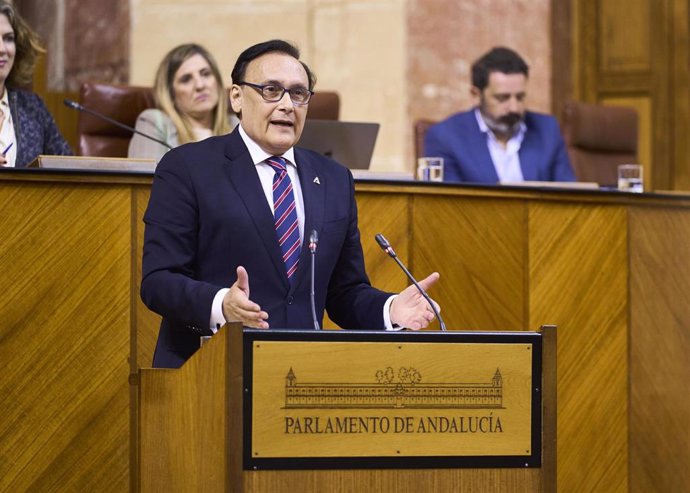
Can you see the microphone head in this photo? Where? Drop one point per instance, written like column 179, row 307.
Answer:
column 382, row 241
column 313, row 240
column 72, row 104
column 385, row 246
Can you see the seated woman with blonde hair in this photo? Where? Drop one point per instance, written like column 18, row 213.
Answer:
column 192, row 103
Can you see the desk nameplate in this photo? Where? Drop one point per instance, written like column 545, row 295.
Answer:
column 362, row 400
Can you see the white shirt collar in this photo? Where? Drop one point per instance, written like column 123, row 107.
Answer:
column 259, row 155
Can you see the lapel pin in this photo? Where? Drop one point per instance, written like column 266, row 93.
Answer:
column 316, row 180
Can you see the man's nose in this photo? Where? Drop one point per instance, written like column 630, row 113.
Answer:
column 514, row 105
column 286, row 101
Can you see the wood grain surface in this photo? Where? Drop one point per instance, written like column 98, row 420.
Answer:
column 179, row 455
column 64, row 337
column 578, row 281
column 659, row 350
column 610, row 270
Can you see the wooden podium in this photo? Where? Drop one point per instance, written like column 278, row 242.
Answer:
column 289, row 411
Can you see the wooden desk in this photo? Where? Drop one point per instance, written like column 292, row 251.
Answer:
column 611, row 270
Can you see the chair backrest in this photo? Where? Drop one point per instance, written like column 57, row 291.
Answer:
column 97, row 137
column 420, row 128
column 324, row 105
column 599, row 138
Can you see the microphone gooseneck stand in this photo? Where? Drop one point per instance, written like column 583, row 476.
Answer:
column 386, row 247
column 313, row 242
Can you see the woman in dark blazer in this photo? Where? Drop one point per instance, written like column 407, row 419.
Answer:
column 27, row 128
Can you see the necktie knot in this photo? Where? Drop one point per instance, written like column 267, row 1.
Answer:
column 277, row 163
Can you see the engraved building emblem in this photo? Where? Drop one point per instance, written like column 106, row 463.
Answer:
column 407, row 391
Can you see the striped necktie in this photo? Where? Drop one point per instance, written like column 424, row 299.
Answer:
column 285, row 215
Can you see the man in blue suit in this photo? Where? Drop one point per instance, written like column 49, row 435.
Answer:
column 499, row 141
column 210, row 224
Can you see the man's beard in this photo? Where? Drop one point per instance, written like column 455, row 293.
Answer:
column 507, row 125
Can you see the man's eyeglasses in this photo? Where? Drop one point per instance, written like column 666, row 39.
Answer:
column 274, row 92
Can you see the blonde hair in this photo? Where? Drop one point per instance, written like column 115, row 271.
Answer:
column 165, row 76
column 28, row 48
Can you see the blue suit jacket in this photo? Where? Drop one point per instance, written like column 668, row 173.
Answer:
column 462, row 145
column 207, row 214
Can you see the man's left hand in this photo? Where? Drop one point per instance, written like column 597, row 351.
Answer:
column 409, row 309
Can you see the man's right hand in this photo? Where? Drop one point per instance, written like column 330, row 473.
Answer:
column 237, row 307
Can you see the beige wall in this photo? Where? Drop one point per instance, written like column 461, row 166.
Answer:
column 390, row 60
column 355, row 48
column 445, row 37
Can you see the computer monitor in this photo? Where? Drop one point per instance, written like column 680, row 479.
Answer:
column 349, row 143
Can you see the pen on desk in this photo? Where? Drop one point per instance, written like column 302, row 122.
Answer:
column 7, row 148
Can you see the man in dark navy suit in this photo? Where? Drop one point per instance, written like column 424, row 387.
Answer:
column 210, row 224
column 499, row 141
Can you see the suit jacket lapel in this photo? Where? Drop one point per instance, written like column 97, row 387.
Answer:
column 480, row 155
column 245, row 180
column 314, row 195
column 529, row 155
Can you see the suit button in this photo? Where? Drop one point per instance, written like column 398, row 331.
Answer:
column 290, row 300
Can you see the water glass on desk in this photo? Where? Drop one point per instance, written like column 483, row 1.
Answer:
column 630, row 178
column 430, row 169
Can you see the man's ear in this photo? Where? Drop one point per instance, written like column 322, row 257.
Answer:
column 236, row 98
column 477, row 95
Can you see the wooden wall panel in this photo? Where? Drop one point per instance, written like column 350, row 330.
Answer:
column 661, row 91
column 660, row 351
column 64, row 338
column 640, row 50
column 578, row 281
column 481, row 259
column 563, row 52
column 388, row 214
column 625, row 33
column 680, row 83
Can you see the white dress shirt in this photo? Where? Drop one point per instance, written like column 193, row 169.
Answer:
column 7, row 135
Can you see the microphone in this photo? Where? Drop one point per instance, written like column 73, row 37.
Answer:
column 386, row 247
column 76, row 106
column 313, row 242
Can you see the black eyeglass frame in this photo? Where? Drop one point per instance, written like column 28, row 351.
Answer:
column 262, row 87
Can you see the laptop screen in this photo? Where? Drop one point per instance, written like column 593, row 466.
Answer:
column 349, row 143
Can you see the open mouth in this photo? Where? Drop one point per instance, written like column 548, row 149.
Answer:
column 283, row 123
